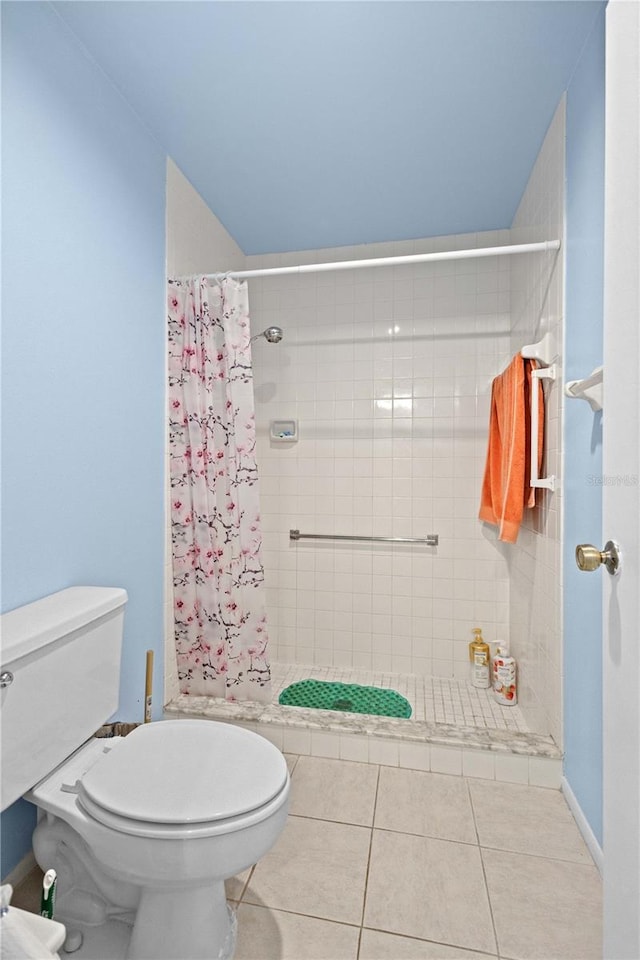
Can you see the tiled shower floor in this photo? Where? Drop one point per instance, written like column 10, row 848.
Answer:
column 435, row 699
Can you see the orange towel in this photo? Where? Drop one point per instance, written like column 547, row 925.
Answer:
column 505, row 488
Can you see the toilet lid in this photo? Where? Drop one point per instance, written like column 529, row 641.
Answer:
column 185, row 771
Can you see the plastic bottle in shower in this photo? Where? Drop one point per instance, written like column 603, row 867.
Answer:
column 505, row 688
column 479, row 658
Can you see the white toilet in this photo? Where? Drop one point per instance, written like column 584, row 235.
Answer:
column 142, row 830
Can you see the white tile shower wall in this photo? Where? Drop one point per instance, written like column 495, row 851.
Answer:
column 388, row 371
column 196, row 243
column 535, row 562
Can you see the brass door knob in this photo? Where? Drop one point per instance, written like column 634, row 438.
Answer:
column 590, row 558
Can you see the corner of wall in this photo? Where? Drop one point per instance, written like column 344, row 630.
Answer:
column 535, row 562
column 197, row 242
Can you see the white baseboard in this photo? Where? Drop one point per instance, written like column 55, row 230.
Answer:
column 588, row 835
column 21, row 870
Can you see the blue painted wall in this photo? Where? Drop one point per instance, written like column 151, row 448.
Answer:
column 583, row 428
column 83, row 345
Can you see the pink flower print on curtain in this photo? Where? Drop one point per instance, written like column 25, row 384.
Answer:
column 218, row 577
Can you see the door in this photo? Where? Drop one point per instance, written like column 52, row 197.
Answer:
column 621, row 490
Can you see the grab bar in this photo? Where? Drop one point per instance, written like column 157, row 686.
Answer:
column 430, row 541
column 549, row 483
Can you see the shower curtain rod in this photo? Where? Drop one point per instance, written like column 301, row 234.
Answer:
column 543, row 245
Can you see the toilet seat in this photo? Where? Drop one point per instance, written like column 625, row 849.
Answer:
column 186, row 831
column 152, row 786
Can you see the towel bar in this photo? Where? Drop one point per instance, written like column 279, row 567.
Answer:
column 548, row 483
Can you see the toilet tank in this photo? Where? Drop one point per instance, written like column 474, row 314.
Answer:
column 60, row 665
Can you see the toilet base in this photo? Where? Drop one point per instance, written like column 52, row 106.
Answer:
column 107, row 941
column 195, row 922
column 113, row 941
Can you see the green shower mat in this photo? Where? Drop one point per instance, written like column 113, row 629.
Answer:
column 351, row 697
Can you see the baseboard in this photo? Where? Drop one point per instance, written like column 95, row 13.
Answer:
column 588, row 835
column 21, row 870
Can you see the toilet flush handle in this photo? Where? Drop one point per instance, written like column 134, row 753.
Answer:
column 6, row 678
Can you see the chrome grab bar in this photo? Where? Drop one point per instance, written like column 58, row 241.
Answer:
column 430, row 541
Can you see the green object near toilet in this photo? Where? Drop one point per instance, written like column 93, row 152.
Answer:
column 350, row 697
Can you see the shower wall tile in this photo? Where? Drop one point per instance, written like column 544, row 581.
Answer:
column 388, row 371
column 446, row 760
column 535, row 562
column 476, row 763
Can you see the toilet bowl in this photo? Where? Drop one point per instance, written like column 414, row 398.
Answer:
column 142, row 830
column 173, row 809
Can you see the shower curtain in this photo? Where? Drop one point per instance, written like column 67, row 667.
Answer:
column 218, row 577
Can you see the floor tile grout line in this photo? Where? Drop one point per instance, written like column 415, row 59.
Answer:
column 589, row 864
column 431, row 836
column 246, row 884
column 438, row 943
column 362, row 928
column 428, row 836
column 486, row 886
column 473, row 811
column 345, row 823
column 366, row 876
column 296, row 913
column 484, row 872
column 295, row 757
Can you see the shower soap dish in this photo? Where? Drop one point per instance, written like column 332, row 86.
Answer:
column 283, row 431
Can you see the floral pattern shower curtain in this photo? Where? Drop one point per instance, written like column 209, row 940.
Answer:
column 218, row 577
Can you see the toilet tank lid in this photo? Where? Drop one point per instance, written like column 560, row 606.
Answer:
column 37, row 624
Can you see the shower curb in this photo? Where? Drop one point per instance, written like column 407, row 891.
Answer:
column 512, row 757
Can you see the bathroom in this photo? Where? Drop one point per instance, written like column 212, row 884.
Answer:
column 96, row 209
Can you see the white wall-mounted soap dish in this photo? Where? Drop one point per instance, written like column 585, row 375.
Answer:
column 283, row 431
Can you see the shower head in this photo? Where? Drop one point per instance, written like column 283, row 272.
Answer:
column 271, row 334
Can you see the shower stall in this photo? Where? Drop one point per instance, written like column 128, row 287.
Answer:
column 387, row 372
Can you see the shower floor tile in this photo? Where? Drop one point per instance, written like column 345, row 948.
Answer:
column 434, row 699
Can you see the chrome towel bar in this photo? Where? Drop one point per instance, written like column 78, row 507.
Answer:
column 430, row 541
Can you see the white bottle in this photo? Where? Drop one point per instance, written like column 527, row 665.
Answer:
column 505, row 688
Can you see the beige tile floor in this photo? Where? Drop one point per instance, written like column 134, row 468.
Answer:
column 381, row 863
